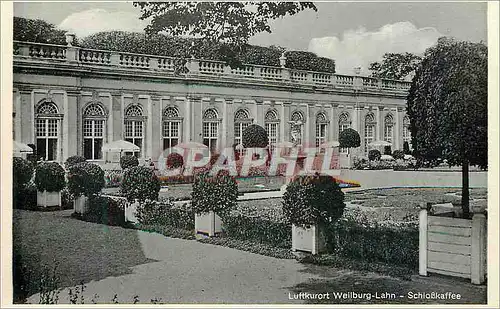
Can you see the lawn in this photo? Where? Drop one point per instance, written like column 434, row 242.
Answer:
column 79, row 251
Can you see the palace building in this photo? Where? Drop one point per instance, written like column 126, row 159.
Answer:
column 71, row 101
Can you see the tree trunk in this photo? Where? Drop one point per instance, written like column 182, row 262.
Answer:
column 465, row 188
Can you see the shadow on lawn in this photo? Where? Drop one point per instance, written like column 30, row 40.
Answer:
column 74, row 250
column 368, row 286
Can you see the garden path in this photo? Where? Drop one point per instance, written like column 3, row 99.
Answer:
column 191, row 272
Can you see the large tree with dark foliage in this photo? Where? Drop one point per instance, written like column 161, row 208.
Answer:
column 395, row 66
column 229, row 23
column 447, row 106
column 37, row 30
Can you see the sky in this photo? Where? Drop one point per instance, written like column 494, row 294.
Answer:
column 352, row 33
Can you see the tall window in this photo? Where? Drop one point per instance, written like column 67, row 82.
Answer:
column 406, row 130
column 134, row 127
column 171, row 127
column 47, row 130
column 388, row 128
column 321, row 128
column 272, row 122
column 93, row 131
column 344, row 123
column 210, row 129
column 298, row 117
column 241, row 122
column 369, row 130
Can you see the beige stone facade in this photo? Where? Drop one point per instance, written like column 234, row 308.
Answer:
column 71, row 101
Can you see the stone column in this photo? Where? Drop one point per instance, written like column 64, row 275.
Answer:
column 380, row 124
column 72, row 124
column 399, row 127
column 187, row 121
column 18, row 115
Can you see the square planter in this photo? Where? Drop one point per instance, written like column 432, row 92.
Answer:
column 308, row 239
column 453, row 246
column 130, row 210
column 48, row 199
column 209, row 224
column 79, row 204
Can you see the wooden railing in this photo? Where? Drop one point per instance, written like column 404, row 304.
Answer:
column 199, row 67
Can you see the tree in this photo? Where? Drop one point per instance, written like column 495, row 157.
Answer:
column 349, row 138
column 447, row 106
column 254, row 136
column 229, row 23
column 395, row 66
column 37, row 30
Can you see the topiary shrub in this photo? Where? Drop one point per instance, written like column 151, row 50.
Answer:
column 73, row 160
column 85, row 178
column 175, row 160
column 387, row 150
column 374, row 155
column 49, row 176
column 255, row 136
column 313, row 200
column 214, row 193
column 406, row 148
column 104, row 210
column 140, row 182
column 349, row 138
column 398, row 154
column 128, row 161
column 22, row 171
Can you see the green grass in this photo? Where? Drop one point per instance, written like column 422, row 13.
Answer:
column 83, row 251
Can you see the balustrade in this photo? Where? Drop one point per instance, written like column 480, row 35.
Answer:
column 26, row 50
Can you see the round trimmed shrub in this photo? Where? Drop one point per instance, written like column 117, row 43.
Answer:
column 49, row 176
column 374, row 155
column 214, row 193
column 398, row 154
column 22, row 171
column 349, row 138
column 140, row 182
column 73, row 160
column 128, row 161
column 85, row 178
column 313, row 200
column 175, row 160
column 255, row 136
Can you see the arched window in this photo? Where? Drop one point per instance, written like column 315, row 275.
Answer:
column 210, row 129
column 297, row 117
column 344, row 123
column 388, row 128
column 94, row 117
column 241, row 122
column 369, row 130
column 47, row 130
column 406, row 130
column 134, row 127
column 321, row 128
column 171, row 127
column 272, row 122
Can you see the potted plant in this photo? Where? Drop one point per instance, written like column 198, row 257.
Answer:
column 212, row 198
column 84, row 180
column 49, row 180
column 310, row 204
column 128, row 161
column 139, row 184
column 22, row 173
column 349, row 138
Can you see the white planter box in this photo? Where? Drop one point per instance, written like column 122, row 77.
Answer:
column 208, row 224
column 48, row 199
column 453, row 246
column 79, row 204
column 308, row 239
column 130, row 210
